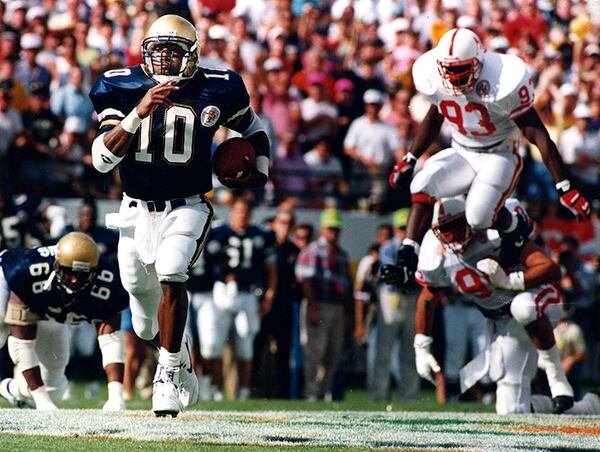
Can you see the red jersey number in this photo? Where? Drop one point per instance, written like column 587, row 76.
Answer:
column 470, row 282
column 453, row 113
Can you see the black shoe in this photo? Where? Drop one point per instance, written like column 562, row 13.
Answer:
column 562, row 403
column 514, row 241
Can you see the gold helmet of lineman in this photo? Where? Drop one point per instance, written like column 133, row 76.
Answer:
column 170, row 49
column 77, row 257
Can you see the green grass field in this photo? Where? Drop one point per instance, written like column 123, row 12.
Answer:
column 265, row 425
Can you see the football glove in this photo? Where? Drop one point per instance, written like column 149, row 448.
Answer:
column 251, row 178
column 499, row 278
column 573, row 200
column 426, row 364
column 403, row 171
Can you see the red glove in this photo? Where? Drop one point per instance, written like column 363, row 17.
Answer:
column 402, row 171
column 573, row 200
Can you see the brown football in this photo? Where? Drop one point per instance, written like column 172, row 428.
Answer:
column 229, row 158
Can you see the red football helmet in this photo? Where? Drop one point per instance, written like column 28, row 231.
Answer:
column 449, row 223
column 459, row 60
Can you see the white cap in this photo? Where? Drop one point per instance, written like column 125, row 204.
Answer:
column 499, row 42
column 31, row 41
column 273, row 64
column 591, row 49
column 582, row 111
column 35, row 12
column 275, row 32
column 219, row 32
column 74, row 124
column 400, row 24
column 465, row 21
column 338, row 7
column 568, row 89
column 373, row 96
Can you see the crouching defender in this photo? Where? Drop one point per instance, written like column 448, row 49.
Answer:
column 521, row 305
column 43, row 291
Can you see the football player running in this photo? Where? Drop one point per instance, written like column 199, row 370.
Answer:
column 521, row 299
column 44, row 290
column 157, row 121
column 487, row 98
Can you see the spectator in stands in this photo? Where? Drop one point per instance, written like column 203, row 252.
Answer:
column 11, row 124
column 27, row 70
column 72, row 99
column 580, row 149
column 290, row 173
column 571, row 344
column 526, row 23
column 372, row 145
column 322, row 270
column 318, row 114
column 326, row 170
column 277, row 100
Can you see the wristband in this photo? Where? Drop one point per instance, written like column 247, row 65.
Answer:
column 131, row 122
column 409, row 156
column 411, row 242
column 516, row 281
column 422, row 341
column 563, row 185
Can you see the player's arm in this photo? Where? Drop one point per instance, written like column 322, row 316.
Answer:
column 21, row 348
column 539, row 269
column 109, row 147
column 248, row 124
column 110, row 340
column 534, row 130
column 426, row 364
column 267, row 302
column 426, row 135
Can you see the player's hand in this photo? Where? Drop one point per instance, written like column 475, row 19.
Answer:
column 426, row 364
column 155, row 96
column 250, row 178
column 403, row 171
column 573, row 200
column 492, row 268
column 402, row 274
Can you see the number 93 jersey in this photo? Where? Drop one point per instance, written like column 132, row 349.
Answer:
column 243, row 255
column 170, row 154
column 28, row 273
column 484, row 116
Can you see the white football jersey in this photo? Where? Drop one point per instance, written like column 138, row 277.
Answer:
column 441, row 267
column 485, row 116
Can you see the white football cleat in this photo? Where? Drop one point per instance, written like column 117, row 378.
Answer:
column 8, row 391
column 205, row 392
column 188, row 387
column 165, row 393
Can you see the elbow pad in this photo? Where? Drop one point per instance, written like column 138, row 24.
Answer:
column 102, row 159
column 112, row 347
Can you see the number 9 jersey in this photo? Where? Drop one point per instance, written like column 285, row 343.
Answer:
column 170, row 154
column 484, row 116
column 29, row 273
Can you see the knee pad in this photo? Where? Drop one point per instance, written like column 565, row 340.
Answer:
column 479, row 216
column 523, row 308
column 23, row 353
column 173, row 258
column 144, row 327
column 244, row 347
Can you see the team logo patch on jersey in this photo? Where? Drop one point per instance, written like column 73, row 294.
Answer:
column 210, row 116
column 482, row 88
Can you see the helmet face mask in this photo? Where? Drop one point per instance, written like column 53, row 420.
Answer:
column 170, row 49
column 459, row 60
column 450, row 225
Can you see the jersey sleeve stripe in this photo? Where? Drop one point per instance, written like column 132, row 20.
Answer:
column 110, row 112
column 520, row 110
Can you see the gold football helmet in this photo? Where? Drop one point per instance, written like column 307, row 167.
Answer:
column 77, row 257
column 170, row 39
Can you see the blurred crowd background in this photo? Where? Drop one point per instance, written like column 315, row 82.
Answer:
column 332, row 81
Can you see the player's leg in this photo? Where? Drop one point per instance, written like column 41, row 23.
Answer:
column 214, row 328
column 534, row 310
column 515, row 360
column 456, row 335
column 447, row 173
column 53, row 349
column 333, row 321
column 247, row 324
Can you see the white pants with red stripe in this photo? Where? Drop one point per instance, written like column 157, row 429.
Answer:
column 487, row 178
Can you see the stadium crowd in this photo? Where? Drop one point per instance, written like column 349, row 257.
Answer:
column 332, row 82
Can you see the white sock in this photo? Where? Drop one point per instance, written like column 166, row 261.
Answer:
column 42, row 399
column 554, row 372
column 168, row 359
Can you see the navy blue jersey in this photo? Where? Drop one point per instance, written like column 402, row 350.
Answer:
column 201, row 278
column 27, row 272
column 13, row 229
column 243, row 255
column 170, row 154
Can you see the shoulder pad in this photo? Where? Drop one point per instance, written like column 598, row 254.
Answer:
column 125, row 78
column 425, row 74
column 431, row 255
column 507, row 71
